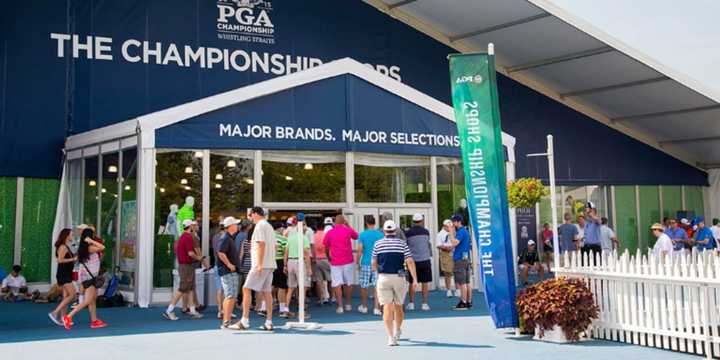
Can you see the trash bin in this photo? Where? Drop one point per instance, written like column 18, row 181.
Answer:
column 211, row 287
column 199, row 284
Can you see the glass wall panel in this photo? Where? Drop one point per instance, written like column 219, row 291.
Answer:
column 575, row 200
column 598, row 198
column 649, row 214
column 694, row 201
column 8, row 194
column 450, row 187
column 672, row 200
column 128, row 221
column 178, row 177
column 545, row 209
column 385, row 178
column 109, row 207
column 76, row 184
column 303, row 176
column 90, row 198
column 39, row 205
column 626, row 222
column 231, row 185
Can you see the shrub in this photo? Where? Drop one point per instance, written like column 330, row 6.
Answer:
column 561, row 301
column 525, row 192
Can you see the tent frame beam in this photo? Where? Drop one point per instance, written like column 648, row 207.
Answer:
column 613, row 87
column 400, row 3
column 498, row 27
column 559, row 59
column 666, row 113
column 690, row 140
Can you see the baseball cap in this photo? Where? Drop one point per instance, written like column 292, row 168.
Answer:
column 328, row 221
column 230, row 221
column 301, row 216
column 389, row 226
column 188, row 222
column 447, row 222
column 257, row 210
column 531, row 242
column 291, row 220
column 684, row 221
column 456, row 217
column 657, row 226
column 418, row 217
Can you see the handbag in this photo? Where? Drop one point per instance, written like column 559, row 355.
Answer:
column 97, row 282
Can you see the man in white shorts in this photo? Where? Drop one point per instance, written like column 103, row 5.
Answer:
column 262, row 257
column 338, row 246
column 389, row 256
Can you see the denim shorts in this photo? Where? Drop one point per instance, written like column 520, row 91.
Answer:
column 230, row 285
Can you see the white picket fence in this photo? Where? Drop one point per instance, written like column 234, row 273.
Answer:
column 674, row 305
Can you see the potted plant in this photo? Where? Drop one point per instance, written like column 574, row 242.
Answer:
column 558, row 309
column 525, row 192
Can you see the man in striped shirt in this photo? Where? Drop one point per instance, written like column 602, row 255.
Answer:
column 389, row 257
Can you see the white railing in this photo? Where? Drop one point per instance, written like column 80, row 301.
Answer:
column 672, row 305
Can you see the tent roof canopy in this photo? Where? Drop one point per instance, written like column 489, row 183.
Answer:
column 146, row 125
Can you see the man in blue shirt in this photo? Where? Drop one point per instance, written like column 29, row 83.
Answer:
column 593, row 243
column 677, row 235
column 367, row 277
column 390, row 255
column 704, row 238
column 460, row 238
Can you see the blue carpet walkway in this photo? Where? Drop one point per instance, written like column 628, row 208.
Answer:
column 134, row 333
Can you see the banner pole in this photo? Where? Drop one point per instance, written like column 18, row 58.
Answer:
column 301, row 324
column 553, row 200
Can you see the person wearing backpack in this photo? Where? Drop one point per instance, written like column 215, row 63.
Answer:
column 65, row 265
column 89, row 276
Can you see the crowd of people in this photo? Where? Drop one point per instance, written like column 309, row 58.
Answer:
column 589, row 233
column 257, row 267
column 681, row 236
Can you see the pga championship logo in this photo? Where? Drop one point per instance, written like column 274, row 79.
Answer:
column 477, row 79
column 245, row 21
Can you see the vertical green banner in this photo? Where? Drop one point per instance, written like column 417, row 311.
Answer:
column 477, row 113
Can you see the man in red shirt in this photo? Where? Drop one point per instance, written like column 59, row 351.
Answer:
column 186, row 255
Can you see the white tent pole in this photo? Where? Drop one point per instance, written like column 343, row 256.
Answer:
column 301, row 271
column 553, row 201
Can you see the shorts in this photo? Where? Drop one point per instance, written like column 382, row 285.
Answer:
column 367, row 276
column 391, row 289
column 63, row 278
column 230, row 285
column 461, row 271
column 424, row 272
column 446, row 264
column 342, row 274
column 293, row 274
column 279, row 279
column 260, row 281
column 321, row 270
column 530, row 266
column 187, row 278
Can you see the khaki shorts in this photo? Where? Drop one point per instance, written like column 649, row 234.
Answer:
column 293, row 273
column 187, row 278
column 391, row 289
column 260, row 281
column 321, row 270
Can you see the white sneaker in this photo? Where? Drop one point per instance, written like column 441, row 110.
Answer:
column 425, row 307
column 392, row 341
column 348, row 307
column 457, row 292
column 377, row 312
column 362, row 309
column 449, row 293
column 339, row 310
column 410, row 307
column 398, row 332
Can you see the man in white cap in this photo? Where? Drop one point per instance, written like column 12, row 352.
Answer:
column 418, row 240
column 529, row 259
column 186, row 255
column 389, row 257
column 228, row 257
column 445, row 248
